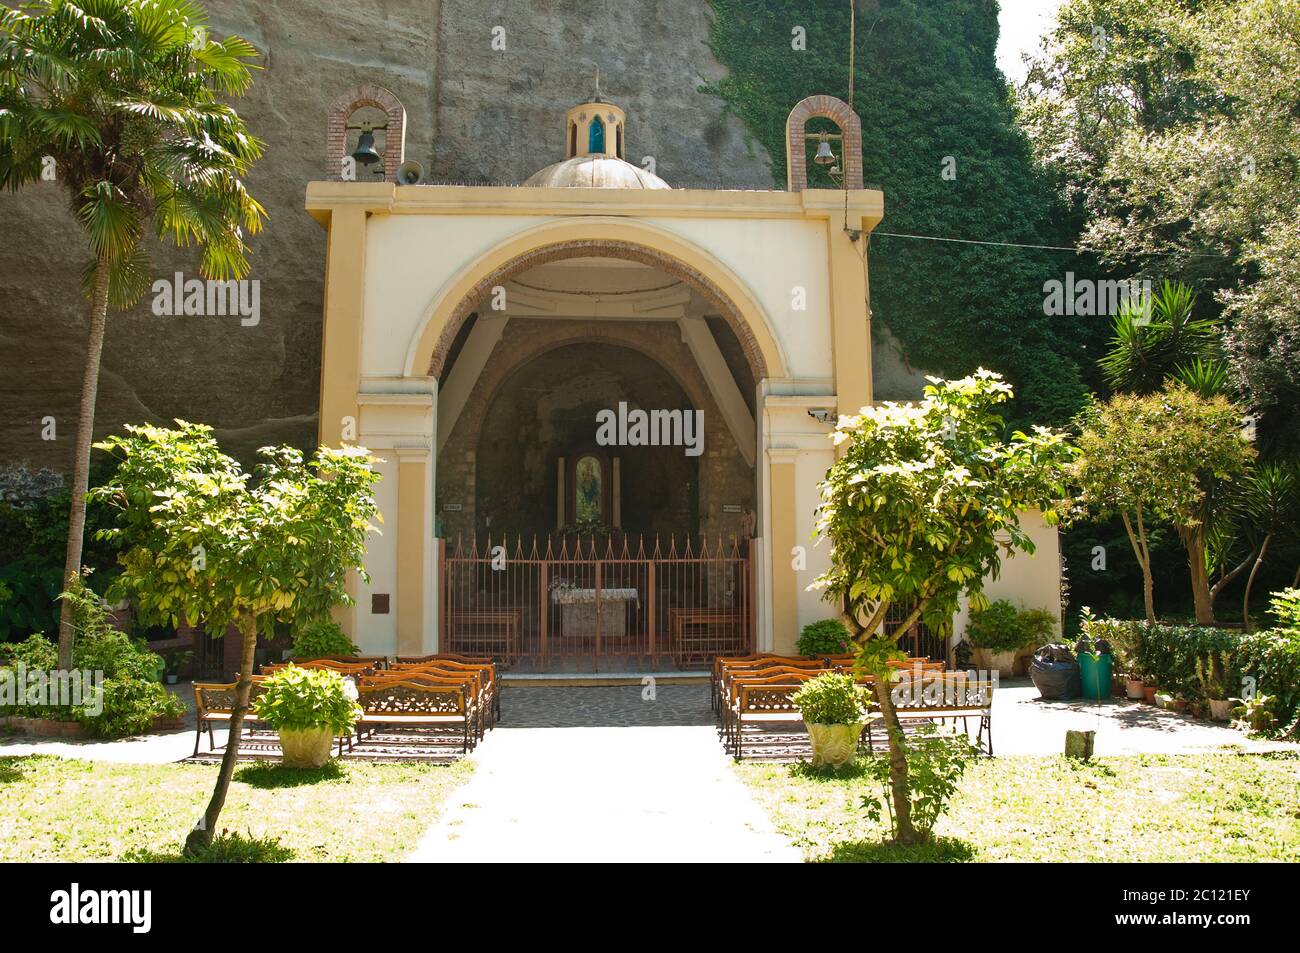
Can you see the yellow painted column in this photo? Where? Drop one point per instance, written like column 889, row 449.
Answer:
column 340, row 365
column 413, row 543
column 785, row 608
column 850, row 324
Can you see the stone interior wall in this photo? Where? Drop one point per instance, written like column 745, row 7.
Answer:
column 472, row 113
column 537, row 399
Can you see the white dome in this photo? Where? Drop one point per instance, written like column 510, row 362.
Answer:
column 595, row 172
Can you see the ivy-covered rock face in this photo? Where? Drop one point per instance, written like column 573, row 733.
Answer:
column 941, row 140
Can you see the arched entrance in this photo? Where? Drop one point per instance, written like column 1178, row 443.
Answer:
column 596, row 471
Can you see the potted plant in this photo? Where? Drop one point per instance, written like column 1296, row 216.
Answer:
column 1093, row 650
column 999, row 632
column 834, row 708
column 1133, row 687
column 308, row 708
column 1211, row 672
column 176, row 661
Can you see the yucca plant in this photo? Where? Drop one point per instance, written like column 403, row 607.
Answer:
column 1154, row 336
column 122, row 101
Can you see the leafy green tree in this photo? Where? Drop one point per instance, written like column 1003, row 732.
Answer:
column 121, row 100
column 203, row 542
column 1269, row 506
column 920, row 508
column 1163, row 457
column 1170, row 125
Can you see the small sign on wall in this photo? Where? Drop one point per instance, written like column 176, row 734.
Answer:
column 379, row 603
column 451, row 507
column 732, row 508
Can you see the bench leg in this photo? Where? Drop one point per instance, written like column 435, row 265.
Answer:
column 198, row 736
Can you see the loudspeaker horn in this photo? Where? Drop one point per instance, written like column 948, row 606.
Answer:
column 410, row 172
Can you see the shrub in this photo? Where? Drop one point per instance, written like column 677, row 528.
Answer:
column 321, row 638
column 827, row 637
column 936, row 761
column 298, row 699
column 833, row 698
column 1285, row 608
column 1001, row 627
column 1176, row 657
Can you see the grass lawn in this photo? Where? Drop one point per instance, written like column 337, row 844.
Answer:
column 59, row 809
column 1203, row 807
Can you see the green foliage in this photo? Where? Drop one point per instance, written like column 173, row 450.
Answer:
column 1155, row 338
column 1001, row 627
column 132, row 697
column 827, row 637
column 927, row 498
column 129, row 99
column 926, row 87
column 1176, row 139
column 936, row 761
column 321, row 638
column 1178, row 657
column 1285, row 608
column 297, row 699
column 203, row 541
column 833, row 698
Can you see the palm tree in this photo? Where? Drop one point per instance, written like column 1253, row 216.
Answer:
column 124, row 98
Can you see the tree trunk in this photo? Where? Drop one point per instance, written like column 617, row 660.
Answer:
column 1142, row 553
column 1194, row 540
column 905, row 832
column 201, row 836
column 98, row 320
column 1250, row 582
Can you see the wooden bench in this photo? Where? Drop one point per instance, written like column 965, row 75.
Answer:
column 939, row 696
column 491, row 632
column 766, row 699
column 693, row 638
column 484, row 673
column 214, row 702
column 416, row 702
column 732, row 668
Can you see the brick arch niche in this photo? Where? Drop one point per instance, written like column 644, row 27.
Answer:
column 344, row 108
column 796, row 151
column 602, row 248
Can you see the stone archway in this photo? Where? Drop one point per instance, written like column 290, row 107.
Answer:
column 603, row 238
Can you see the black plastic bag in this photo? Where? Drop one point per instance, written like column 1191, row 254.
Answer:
column 1055, row 673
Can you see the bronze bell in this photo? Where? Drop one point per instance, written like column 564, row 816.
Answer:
column 824, row 155
column 365, row 153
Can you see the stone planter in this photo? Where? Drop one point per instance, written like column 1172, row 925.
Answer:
column 1133, row 689
column 1221, row 709
column 833, row 745
column 307, row 747
column 1004, row 663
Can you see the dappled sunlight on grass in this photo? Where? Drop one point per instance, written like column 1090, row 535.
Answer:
column 1203, row 807
column 62, row 809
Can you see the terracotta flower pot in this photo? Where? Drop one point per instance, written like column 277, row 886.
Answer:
column 307, row 747
column 1149, row 693
column 1133, row 688
column 1221, row 709
column 833, row 745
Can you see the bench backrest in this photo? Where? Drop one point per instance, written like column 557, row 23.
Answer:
column 771, row 693
column 219, row 697
column 942, row 691
column 483, row 675
column 400, row 696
